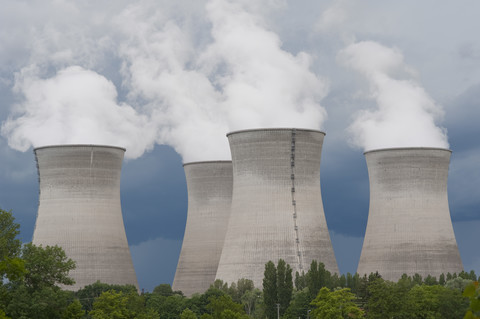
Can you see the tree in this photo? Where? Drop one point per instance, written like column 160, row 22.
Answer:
column 163, row 290
column 119, row 305
column 299, row 305
column 224, row 307
column 243, row 286
column 188, row 314
column 336, row 304
column 89, row 293
column 250, row 299
column 472, row 292
column 74, row 311
column 318, row 277
column 111, row 305
column 380, row 303
column 167, row 307
column 430, row 280
column 458, row 283
column 40, row 303
column 284, row 285
column 46, row 266
column 270, row 289
column 3, row 315
column 37, row 294
column 11, row 265
column 300, row 281
column 441, row 279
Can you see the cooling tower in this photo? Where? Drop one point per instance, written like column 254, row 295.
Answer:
column 409, row 229
column 277, row 210
column 79, row 209
column 209, row 187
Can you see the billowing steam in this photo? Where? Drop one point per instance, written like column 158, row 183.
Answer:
column 190, row 80
column 405, row 115
column 76, row 106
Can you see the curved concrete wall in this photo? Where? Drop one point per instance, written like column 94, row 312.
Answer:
column 277, row 209
column 409, row 229
column 79, row 209
column 209, row 187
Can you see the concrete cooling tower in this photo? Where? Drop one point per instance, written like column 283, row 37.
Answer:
column 409, row 229
column 277, row 210
column 79, row 210
column 209, row 187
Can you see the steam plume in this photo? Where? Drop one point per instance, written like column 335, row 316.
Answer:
column 76, row 106
column 405, row 115
column 191, row 78
column 240, row 79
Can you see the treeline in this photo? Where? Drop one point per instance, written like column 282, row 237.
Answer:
column 32, row 279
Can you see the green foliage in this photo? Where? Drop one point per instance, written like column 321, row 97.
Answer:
column 110, row 305
column 119, row 305
column 472, row 292
column 46, row 266
column 317, row 277
column 277, row 288
column 300, row 281
column 430, row 281
column 299, row 305
column 167, row 307
column 163, row 290
column 188, row 314
column 37, row 294
column 270, row 289
column 471, row 275
column 458, row 283
column 353, row 282
column 41, row 303
column 284, row 285
column 87, row 294
column 3, row 315
column 224, row 307
column 406, row 299
column 74, row 311
column 236, row 290
column 11, row 265
column 250, row 299
column 336, row 304
column 382, row 301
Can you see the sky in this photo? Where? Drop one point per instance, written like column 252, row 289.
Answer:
column 168, row 79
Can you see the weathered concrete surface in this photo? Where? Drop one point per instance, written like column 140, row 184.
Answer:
column 277, row 210
column 209, row 187
column 409, row 229
column 79, row 209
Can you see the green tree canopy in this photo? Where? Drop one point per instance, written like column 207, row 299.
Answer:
column 46, row 266
column 11, row 265
column 336, row 304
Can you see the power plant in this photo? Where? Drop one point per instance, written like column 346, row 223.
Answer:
column 209, row 186
column 277, row 210
column 79, row 210
column 409, row 228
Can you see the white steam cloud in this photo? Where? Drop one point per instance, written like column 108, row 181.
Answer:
column 76, row 106
column 191, row 78
column 406, row 115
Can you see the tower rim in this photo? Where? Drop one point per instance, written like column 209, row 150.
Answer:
column 276, row 129
column 412, row 148
column 207, row 162
column 78, row 145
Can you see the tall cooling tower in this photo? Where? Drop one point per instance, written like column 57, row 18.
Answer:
column 277, row 210
column 79, row 210
column 409, row 229
column 209, row 187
